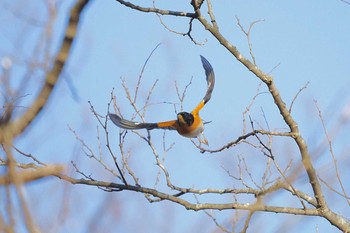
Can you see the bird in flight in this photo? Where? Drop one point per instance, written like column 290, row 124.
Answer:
column 187, row 124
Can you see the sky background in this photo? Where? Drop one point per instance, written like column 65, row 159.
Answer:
column 299, row 42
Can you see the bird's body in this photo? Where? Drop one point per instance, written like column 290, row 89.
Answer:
column 187, row 124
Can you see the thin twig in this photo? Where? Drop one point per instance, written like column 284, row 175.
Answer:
column 247, row 110
column 296, row 96
column 141, row 73
column 243, row 137
column 183, row 94
column 334, row 159
column 248, row 33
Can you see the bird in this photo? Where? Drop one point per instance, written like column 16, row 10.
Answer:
column 187, row 124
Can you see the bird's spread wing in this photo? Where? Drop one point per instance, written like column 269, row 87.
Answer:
column 167, row 125
column 126, row 124
column 171, row 125
column 209, row 73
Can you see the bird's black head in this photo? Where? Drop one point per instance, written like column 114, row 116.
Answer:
column 185, row 118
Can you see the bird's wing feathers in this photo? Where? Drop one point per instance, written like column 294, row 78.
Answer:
column 209, row 72
column 126, row 124
column 171, row 125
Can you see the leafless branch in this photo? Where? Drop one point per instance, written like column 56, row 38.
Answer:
column 211, row 14
column 293, row 133
column 20, row 124
column 192, row 206
column 188, row 33
column 247, row 221
column 104, row 126
column 313, row 204
column 334, row 159
column 247, row 110
column 156, row 10
column 248, row 35
column 210, row 214
column 245, row 136
column 12, row 177
column 141, row 73
column 296, row 96
column 280, row 104
column 28, row 176
column 181, row 95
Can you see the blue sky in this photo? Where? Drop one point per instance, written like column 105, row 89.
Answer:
column 308, row 41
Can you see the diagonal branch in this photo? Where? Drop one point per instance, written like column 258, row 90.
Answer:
column 14, row 128
column 287, row 117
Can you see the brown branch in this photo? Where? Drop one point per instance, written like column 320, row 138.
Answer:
column 211, row 14
column 305, row 155
column 28, row 176
column 188, row 33
column 189, row 205
column 243, row 137
column 320, row 203
column 250, row 215
column 332, row 217
column 156, row 10
column 12, row 177
column 19, row 125
column 108, row 186
column 268, row 80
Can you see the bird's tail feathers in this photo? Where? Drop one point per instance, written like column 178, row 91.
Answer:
column 126, row 124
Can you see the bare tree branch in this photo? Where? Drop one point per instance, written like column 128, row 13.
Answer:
column 188, row 205
column 274, row 178
column 296, row 96
column 17, row 126
column 12, row 177
column 293, row 126
column 334, row 159
column 243, row 137
column 156, row 10
column 247, row 33
column 28, row 176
